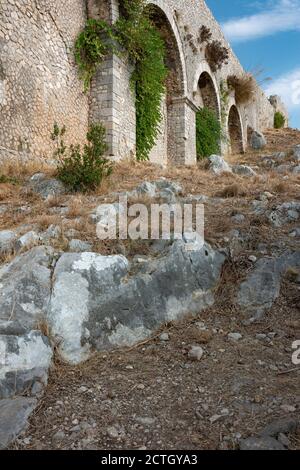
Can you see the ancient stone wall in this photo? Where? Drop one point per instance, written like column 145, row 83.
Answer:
column 39, row 81
column 278, row 105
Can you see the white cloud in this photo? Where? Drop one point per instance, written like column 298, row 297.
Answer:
column 288, row 87
column 282, row 15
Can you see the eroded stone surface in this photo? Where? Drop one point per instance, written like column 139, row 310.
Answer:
column 262, row 287
column 97, row 303
column 25, row 288
column 13, row 418
column 24, row 363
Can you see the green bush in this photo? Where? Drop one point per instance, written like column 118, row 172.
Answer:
column 82, row 169
column 279, row 120
column 208, row 133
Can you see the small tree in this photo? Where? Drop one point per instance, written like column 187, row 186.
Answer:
column 82, row 169
column 279, row 120
column 208, row 133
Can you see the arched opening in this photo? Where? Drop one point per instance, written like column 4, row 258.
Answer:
column 208, row 119
column 166, row 148
column 235, row 131
column 206, row 96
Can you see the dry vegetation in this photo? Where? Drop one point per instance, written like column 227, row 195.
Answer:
column 244, row 87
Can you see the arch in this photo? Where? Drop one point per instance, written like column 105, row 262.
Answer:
column 235, row 130
column 160, row 6
column 171, row 138
column 207, row 95
column 204, row 70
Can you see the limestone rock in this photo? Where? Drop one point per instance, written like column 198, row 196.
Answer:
column 97, row 304
column 296, row 169
column 218, row 165
column 13, row 418
column 24, row 361
column 258, row 140
column 46, row 187
column 261, row 443
column 196, row 353
column 296, row 154
column 28, row 240
column 78, row 246
column 25, row 288
column 146, row 189
column 285, row 213
column 243, row 170
column 285, row 168
column 7, row 241
column 262, row 287
column 283, row 425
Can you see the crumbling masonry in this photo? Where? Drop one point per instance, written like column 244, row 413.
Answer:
column 39, row 82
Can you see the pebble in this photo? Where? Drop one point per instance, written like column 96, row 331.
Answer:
column 164, row 337
column 58, row 436
column 112, row 432
column 196, row 353
column 252, row 258
column 288, row 408
column 261, row 336
column 234, row 336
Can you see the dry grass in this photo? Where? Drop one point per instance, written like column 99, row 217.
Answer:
column 280, row 187
column 233, row 190
column 45, row 220
column 76, row 207
column 244, row 87
column 20, row 170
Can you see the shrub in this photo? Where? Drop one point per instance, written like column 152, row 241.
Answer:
column 208, row 133
column 279, row 120
column 82, row 169
column 205, row 34
column 216, row 55
column 243, row 86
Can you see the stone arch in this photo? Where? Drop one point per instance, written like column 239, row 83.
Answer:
column 160, row 9
column 204, row 70
column 207, row 95
column 235, row 130
column 170, row 146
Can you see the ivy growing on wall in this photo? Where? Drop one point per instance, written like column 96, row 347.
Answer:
column 137, row 35
column 91, row 47
column 208, row 133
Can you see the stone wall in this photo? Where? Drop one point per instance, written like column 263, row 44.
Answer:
column 39, row 81
column 278, row 105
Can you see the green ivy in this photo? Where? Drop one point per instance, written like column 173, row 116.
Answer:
column 91, row 47
column 279, row 120
column 208, row 133
column 137, row 35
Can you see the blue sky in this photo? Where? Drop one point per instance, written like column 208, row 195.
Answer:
column 265, row 35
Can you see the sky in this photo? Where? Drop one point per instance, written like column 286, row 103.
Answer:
column 265, row 35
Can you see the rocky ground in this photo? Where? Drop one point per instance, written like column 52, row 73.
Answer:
column 220, row 379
